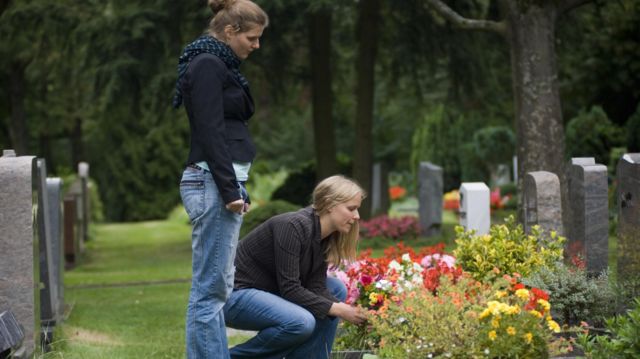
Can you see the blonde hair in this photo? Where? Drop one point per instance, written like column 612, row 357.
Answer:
column 329, row 193
column 241, row 15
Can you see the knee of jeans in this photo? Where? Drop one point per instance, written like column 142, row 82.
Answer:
column 302, row 326
column 337, row 288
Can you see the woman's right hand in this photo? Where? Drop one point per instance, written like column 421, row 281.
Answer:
column 347, row 312
column 236, row 206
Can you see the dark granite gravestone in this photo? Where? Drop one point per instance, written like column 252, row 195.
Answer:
column 430, row 191
column 11, row 334
column 541, row 202
column 628, row 193
column 54, row 190
column 48, row 290
column 19, row 243
column 588, row 232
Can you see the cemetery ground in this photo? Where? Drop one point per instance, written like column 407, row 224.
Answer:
column 127, row 296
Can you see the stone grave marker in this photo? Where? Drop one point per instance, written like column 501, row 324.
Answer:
column 19, row 243
column 475, row 212
column 11, row 334
column 48, row 290
column 542, row 202
column 628, row 193
column 54, row 191
column 430, row 191
column 588, row 232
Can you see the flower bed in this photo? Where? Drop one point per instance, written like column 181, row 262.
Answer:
column 425, row 305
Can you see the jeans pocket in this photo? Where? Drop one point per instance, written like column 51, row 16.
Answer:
column 192, row 194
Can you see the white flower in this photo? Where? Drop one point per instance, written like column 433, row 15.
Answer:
column 406, row 257
column 486, row 351
column 395, row 265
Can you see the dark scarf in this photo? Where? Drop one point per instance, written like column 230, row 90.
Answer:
column 210, row 45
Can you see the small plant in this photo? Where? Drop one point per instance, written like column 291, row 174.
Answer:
column 575, row 296
column 388, row 227
column 508, row 249
column 623, row 340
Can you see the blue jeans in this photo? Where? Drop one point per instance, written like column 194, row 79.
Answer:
column 284, row 329
column 213, row 242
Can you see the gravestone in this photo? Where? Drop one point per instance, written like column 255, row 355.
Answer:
column 475, row 212
column 376, row 189
column 71, row 237
column 542, row 202
column 11, row 334
column 628, row 193
column 588, row 232
column 83, row 174
column 48, row 290
column 430, row 191
column 54, row 191
column 19, row 243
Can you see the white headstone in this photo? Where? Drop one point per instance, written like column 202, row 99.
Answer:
column 475, row 212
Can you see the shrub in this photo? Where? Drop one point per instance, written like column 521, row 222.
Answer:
column 508, row 249
column 257, row 216
column 592, row 134
column 623, row 341
column 575, row 296
column 298, row 186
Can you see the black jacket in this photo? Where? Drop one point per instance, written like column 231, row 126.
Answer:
column 286, row 256
column 219, row 109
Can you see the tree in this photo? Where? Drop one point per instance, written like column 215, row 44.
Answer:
column 367, row 38
column 528, row 26
column 320, row 56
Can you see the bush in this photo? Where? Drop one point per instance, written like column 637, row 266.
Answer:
column 575, row 296
column 623, row 341
column 592, row 134
column 257, row 216
column 298, row 186
column 633, row 131
column 508, row 249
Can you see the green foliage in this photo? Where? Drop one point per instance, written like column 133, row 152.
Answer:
column 436, row 140
column 494, row 144
column 576, row 297
column 621, row 341
column 257, row 216
column 424, row 325
column 508, row 249
column 298, row 186
column 591, row 134
column 633, row 131
column 262, row 185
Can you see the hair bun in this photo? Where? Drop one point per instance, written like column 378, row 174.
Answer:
column 217, row 5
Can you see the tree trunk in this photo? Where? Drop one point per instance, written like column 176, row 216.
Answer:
column 18, row 118
column 367, row 38
column 323, row 128
column 538, row 113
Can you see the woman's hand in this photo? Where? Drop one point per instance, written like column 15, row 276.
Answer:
column 347, row 312
column 236, row 206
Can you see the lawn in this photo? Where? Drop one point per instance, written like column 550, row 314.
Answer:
column 128, row 294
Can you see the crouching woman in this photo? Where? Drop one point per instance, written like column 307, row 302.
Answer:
column 281, row 286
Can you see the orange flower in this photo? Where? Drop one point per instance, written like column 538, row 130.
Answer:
column 396, row 192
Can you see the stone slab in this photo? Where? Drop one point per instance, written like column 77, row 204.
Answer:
column 628, row 203
column 430, row 191
column 542, row 202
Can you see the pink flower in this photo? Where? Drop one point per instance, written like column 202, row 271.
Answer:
column 366, row 280
column 436, row 259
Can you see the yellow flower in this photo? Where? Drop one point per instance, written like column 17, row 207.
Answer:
column 522, row 294
column 373, row 298
column 544, row 304
column 536, row 313
column 553, row 326
column 495, row 322
column 501, row 294
column 485, row 313
column 512, row 309
column 493, row 335
column 511, row 330
column 528, row 338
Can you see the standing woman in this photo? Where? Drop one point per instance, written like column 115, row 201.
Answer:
column 281, row 286
column 218, row 103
